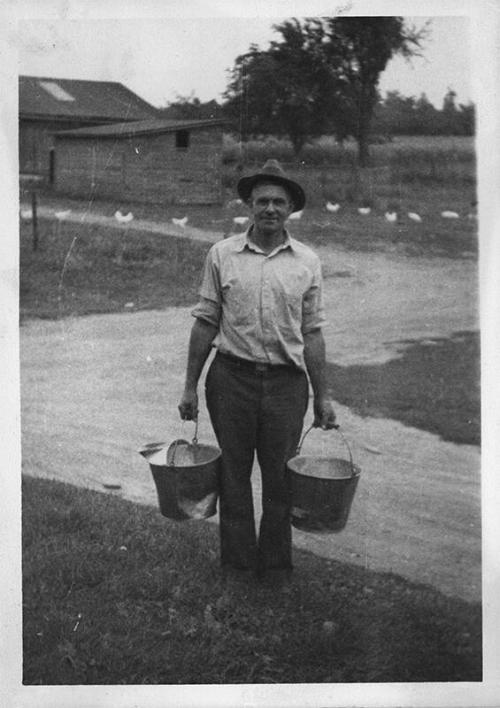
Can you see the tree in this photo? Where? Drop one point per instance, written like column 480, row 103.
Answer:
column 467, row 118
column 286, row 90
column 427, row 119
column 358, row 50
column 395, row 114
column 449, row 113
column 190, row 108
column 321, row 77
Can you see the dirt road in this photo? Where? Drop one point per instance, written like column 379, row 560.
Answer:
column 94, row 389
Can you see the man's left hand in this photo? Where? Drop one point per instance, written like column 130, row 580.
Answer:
column 324, row 415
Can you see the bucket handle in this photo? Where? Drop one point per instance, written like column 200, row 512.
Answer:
column 176, row 442
column 337, row 428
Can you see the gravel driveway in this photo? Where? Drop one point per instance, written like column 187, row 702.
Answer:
column 95, row 388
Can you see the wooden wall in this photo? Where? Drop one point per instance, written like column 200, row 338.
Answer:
column 36, row 141
column 144, row 168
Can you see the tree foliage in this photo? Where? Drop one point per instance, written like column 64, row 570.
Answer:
column 190, row 108
column 286, row 90
column 403, row 115
column 321, row 77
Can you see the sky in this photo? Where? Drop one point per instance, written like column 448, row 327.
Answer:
column 162, row 59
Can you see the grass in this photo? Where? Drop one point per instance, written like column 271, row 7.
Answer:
column 79, row 270
column 116, row 594
column 434, row 386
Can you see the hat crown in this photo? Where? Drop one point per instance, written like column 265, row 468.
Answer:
column 273, row 167
column 274, row 173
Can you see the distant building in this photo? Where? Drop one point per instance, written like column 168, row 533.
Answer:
column 151, row 161
column 48, row 104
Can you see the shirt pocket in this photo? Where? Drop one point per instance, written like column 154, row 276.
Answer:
column 239, row 304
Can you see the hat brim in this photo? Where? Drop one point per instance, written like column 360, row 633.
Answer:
column 246, row 184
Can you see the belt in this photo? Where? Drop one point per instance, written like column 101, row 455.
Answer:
column 256, row 366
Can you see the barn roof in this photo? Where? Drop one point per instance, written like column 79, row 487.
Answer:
column 125, row 130
column 44, row 97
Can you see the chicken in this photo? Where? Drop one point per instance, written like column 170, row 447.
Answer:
column 234, row 203
column 62, row 214
column 180, row 222
column 123, row 218
column 240, row 220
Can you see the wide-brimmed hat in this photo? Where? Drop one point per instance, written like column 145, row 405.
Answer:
column 272, row 172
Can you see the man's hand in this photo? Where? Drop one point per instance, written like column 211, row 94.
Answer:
column 188, row 406
column 324, row 415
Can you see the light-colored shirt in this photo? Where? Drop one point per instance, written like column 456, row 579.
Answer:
column 262, row 304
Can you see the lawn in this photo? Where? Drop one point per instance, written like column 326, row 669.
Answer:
column 79, row 270
column 116, row 594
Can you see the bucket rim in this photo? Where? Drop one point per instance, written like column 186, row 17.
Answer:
column 215, row 454
column 355, row 470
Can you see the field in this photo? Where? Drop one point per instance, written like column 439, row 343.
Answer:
column 413, row 160
column 113, row 593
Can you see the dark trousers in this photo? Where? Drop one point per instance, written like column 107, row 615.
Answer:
column 255, row 411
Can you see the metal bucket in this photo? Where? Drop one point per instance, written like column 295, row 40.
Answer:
column 186, row 476
column 322, row 490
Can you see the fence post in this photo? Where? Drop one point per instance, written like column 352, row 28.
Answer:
column 34, row 220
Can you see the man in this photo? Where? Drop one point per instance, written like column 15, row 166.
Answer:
column 261, row 305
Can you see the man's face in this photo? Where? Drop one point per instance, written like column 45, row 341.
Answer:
column 271, row 206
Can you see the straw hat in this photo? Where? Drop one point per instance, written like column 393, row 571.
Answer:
column 272, row 172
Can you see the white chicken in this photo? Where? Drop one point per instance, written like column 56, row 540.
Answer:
column 234, row 204
column 240, row 220
column 296, row 215
column 414, row 217
column 180, row 222
column 123, row 218
column 364, row 210
column 449, row 215
column 62, row 214
column 391, row 216
column 332, row 207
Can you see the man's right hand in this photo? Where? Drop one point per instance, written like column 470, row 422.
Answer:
column 188, row 406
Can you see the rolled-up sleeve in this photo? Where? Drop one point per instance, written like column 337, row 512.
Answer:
column 209, row 305
column 313, row 313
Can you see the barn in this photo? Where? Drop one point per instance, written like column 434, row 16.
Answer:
column 148, row 161
column 48, row 104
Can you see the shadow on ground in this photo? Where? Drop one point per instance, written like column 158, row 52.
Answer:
column 434, row 386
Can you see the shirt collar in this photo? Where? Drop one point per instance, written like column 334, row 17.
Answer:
column 246, row 243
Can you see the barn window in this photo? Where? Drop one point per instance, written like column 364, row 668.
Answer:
column 182, row 139
column 56, row 91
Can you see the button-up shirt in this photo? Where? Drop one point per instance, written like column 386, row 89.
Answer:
column 262, row 304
